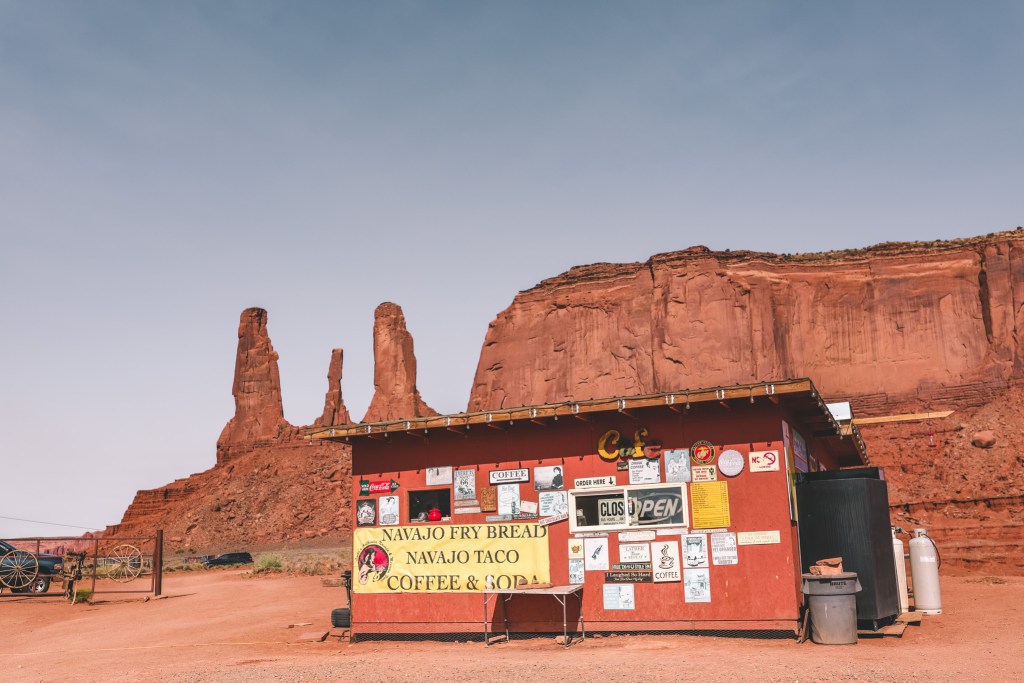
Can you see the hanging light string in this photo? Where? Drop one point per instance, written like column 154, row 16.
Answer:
column 36, row 521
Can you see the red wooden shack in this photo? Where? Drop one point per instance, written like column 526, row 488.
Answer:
column 673, row 511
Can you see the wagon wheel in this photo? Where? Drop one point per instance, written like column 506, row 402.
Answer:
column 18, row 569
column 127, row 563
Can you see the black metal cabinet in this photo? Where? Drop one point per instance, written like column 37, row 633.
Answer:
column 846, row 514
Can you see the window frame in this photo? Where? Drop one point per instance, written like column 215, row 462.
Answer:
column 624, row 492
column 439, row 492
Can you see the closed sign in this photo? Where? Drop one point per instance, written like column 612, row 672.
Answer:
column 611, row 511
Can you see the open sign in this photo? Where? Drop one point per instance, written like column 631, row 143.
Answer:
column 657, row 507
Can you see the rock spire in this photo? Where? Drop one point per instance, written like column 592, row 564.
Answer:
column 335, row 412
column 395, row 395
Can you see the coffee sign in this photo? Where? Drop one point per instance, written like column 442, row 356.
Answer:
column 509, row 476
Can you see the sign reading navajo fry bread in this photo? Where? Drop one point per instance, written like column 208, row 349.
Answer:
column 449, row 558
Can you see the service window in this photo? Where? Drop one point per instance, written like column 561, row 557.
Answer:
column 628, row 507
column 422, row 502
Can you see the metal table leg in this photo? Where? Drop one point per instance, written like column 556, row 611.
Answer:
column 583, row 626
column 487, row 639
column 504, row 614
column 565, row 621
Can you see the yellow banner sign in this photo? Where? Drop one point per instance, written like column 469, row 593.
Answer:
column 463, row 558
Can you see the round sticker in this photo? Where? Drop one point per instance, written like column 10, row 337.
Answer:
column 730, row 463
column 702, row 452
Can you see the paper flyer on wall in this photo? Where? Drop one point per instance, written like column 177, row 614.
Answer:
column 619, row 596
column 595, row 553
column 695, row 550
column 644, row 471
column 388, row 510
column 677, row 465
column 723, row 549
column 508, row 499
column 553, row 503
column 576, row 572
column 697, row 585
column 439, row 476
column 710, row 503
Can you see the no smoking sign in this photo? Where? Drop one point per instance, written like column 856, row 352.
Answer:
column 764, row 461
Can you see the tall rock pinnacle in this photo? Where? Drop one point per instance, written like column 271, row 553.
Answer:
column 259, row 413
column 335, row 412
column 395, row 395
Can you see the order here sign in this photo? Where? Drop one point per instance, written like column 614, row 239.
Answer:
column 461, row 558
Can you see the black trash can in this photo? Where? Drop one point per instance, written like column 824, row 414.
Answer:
column 832, row 601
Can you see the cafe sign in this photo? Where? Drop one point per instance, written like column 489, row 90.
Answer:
column 614, row 446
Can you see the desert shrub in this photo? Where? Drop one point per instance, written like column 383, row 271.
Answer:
column 268, row 563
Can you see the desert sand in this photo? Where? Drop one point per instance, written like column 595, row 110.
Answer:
column 232, row 626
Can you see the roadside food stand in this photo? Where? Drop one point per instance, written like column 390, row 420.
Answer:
column 663, row 512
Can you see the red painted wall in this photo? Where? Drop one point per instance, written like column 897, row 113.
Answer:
column 761, row 591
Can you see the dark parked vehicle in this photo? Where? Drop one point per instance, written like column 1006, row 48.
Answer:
column 229, row 558
column 13, row 565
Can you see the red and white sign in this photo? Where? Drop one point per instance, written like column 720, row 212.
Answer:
column 552, row 519
column 764, row 461
column 702, row 452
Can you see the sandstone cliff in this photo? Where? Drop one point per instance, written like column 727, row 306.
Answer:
column 269, row 485
column 895, row 328
column 897, row 325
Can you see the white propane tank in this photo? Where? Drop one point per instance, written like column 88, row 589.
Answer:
column 901, row 571
column 924, row 569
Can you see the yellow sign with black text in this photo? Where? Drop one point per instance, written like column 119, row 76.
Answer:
column 464, row 558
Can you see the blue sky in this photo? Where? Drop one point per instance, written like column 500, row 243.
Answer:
column 165, row 165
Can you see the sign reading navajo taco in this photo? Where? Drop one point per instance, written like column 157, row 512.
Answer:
column 458, row 558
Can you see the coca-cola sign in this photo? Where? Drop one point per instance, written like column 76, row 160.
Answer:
column 367, row 487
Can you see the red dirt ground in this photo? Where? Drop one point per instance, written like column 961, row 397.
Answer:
column 227, row 626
